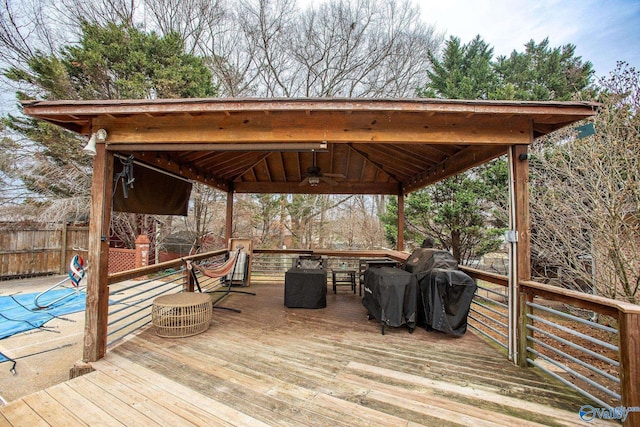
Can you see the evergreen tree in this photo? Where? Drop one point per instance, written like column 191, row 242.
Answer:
column 466, row 214
column 541, row 73
column 110, row 62
column 465, row 72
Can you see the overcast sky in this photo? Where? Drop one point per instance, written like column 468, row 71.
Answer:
column 603, row 31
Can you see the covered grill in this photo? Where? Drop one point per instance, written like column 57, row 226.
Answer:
column 445, row 299
column 390, row 296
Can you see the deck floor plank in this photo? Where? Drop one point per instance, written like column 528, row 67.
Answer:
column 4, row 422
column 19, row 413
column 274, row 366
column 88, row 411
column 153, row 409
column 52, row 411
column 118, row 402
column 142, row 377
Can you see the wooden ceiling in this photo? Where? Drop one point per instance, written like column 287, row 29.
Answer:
column 366, row 146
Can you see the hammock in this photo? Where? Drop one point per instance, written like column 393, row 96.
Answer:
column 228, row 268
column 217, row 271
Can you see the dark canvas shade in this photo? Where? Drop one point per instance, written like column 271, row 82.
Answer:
column 151, row 192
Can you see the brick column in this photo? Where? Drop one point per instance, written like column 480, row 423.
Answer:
column 142, row 251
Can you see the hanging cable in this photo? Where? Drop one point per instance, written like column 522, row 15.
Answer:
column 126, row 174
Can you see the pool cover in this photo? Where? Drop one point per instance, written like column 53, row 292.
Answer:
column 18, row 313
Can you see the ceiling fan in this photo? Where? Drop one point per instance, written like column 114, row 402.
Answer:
column 314, row 175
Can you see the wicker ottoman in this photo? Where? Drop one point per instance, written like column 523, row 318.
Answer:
column 181, row 315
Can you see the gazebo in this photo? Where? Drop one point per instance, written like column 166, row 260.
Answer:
column 314, row 146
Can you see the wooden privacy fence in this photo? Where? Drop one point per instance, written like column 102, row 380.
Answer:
column 40, row 251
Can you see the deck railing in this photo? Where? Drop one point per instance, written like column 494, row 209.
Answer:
column 601, row 360
column 131, row 293
column 590, row 343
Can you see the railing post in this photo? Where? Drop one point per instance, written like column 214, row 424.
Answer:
column 524, row 296
column 629, row 331
column 520, row 249
column 189, row 284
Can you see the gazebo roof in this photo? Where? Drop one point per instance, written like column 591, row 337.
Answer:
column 361, row 146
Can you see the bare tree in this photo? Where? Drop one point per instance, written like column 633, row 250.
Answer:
column 337, row 48
column 586, row 197
column 360, row 48
column 72, row 13
column 192, row 19
column 205, row 220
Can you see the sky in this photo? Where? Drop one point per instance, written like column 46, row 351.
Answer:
column 603, row 31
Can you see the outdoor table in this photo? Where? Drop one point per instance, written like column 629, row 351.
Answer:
column 181, row 315
column 343, row 277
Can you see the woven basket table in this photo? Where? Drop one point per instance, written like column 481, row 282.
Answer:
column 181, row 315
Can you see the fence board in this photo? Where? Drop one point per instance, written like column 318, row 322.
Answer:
column 38, row 251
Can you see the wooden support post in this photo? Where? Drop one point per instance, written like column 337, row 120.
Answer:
column 189, row 283
column 228, row 225
column 400, row 245
column 97, row 310
column 629, row 331
column 522, row 255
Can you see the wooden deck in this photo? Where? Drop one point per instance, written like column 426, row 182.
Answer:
column 271, row 365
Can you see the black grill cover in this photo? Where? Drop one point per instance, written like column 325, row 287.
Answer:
column 305, row 288
column 425, row 259
column 445, row 299
column 390, row 296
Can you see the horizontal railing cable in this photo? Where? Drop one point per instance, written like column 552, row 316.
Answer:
column 569, row 383
column 480, row 331
column 575, row 346
column 573, row 318
column 574, row 333
column 575, row 360
column 503, row 315
column 575, row 374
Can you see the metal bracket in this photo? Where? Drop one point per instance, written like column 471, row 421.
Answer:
column 511, row 236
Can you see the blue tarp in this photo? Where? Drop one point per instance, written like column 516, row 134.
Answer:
column 18, row 313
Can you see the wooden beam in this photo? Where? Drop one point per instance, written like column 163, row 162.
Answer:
column 66, row 109
column 254, row 128
column 97, row 308
column 322, row 188
column 465, row 159
column 228, row 224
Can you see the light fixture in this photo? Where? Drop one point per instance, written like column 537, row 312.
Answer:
column 99, row 135
column 314, row 181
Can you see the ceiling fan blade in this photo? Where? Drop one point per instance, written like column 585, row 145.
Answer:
column 304, row 181
column 335, row 175
column 328, row 180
